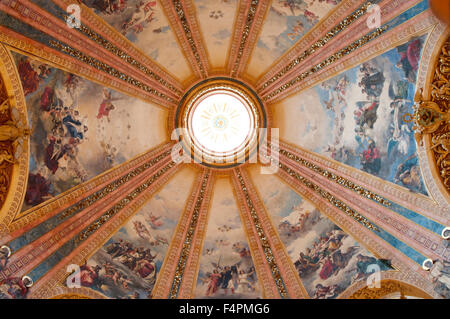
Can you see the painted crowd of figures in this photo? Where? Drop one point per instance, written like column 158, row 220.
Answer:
column 390, row 155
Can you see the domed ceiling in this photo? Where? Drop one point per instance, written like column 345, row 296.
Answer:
column 224, row 149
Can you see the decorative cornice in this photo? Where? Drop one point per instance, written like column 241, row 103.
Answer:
column 248, row 211
column 97, row 38
column 387, row 287
column 101, row 66
column 62, row 292
column 57, row 59
column 329, row 197
column 87, row 193
column 336, row 178
column 181, row 15
column 274, row 267
column 246, row 31
column 392, row 192
column 111, row 212
column 333, row 22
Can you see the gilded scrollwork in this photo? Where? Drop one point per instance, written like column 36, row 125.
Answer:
column 389, row 287
column 432, row 117
column 6, row 143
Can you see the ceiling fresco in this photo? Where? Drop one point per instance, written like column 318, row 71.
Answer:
column 327, row 259
column 226, row 265
column 127, row 266
column 349, row 190
column 216, row 19
column 80, row 129
column 287, row 21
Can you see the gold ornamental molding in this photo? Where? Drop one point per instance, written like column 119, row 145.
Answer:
column 104, row 205
column 183, row 20
column 248, row 25
column 372, row 187
column 14, row 141
column 432, row 116
column 327, row 62
column 85, row 194
column 342, row 192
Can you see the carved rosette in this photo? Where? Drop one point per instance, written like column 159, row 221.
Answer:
column 432, row 117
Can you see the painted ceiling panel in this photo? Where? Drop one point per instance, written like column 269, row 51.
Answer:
column 80, row 129
column 226, row 266
column 327, row 259
column 216, row 19
column 144, row 23
column 358, row 117
column 287, row 21
column 127, row 266
column 333, row 236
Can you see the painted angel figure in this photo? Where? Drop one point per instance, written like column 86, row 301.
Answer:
column 154, row 221
column 106, row 106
